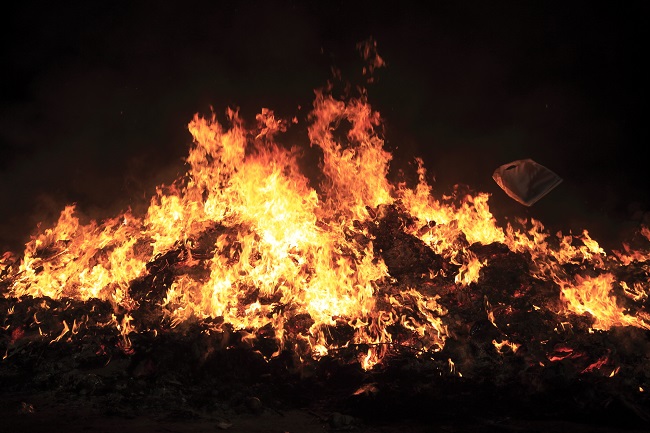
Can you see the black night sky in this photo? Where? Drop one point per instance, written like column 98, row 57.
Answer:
column 96, row 96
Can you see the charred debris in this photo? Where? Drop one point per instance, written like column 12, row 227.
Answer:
column 509, row 351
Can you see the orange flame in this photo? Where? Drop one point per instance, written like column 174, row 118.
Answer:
column 592, row 295
column 279, row 248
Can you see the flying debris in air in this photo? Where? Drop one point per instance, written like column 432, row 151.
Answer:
column 525, row 180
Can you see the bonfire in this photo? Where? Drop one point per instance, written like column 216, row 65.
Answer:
column 246, row 253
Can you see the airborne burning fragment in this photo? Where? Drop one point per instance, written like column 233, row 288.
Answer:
column 243, row 254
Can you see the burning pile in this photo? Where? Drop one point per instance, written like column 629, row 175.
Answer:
column 245, row 249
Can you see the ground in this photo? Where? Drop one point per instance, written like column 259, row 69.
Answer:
column 37, row 412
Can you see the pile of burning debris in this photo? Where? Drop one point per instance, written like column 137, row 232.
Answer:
column 245, row 287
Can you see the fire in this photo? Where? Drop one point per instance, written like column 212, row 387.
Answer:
column 592, row 295
column 505, row 345
column 245, row 239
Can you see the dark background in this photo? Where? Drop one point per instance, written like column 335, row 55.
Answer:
column 96, row 96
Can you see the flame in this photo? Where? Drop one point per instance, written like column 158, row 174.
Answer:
column 469, row 270
column 505, row 345
column 65, row 330
column 246, row 238
column 592, row 295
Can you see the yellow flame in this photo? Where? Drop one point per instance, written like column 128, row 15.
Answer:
column 469, row 272
column 504, row 345
column 65, row 330
column 592, row 295
column 279, row 247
